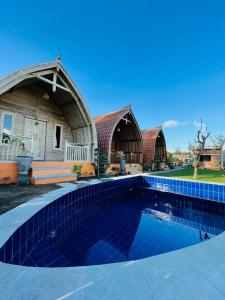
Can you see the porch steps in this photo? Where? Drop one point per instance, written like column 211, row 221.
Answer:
column 51, row 172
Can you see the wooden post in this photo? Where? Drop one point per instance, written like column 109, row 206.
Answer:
column 7, row 155
column 54, row 82
column 3, row 150
column 88, row 152
column 31, row 146
column 221, row 155
column 65, row 151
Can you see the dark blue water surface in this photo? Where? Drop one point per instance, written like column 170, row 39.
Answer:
column 128, row 225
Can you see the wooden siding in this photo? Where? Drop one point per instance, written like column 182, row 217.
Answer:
column 28, row 102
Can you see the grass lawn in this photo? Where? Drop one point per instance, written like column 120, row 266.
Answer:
column 203, row 175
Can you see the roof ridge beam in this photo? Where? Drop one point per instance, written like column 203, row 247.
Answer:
column 53, row 83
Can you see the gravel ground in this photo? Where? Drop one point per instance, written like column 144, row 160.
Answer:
column 13, row 195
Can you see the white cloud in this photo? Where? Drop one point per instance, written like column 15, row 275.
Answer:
column 199, row 125
column 170, row 124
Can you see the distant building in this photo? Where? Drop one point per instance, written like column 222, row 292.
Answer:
column 119, row 131
column 210, row 158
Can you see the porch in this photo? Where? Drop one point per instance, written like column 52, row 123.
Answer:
column 11, row 147
column 43, row 172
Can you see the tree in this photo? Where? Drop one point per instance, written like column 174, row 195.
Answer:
column 200, row 142
column 177, row 151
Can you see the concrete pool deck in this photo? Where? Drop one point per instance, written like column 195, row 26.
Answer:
column 196, row 272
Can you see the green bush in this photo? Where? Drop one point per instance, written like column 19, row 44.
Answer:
column 103, row 163
column 77, row 169
column 146, row 168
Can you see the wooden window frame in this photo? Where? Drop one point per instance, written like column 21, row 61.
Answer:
column 3, row 113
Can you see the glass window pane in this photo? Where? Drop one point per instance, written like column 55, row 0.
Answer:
column 7, row 125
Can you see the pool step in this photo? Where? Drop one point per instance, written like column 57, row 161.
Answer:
column 51, row 172
column 45, row 255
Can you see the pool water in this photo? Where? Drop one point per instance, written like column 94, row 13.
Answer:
column 132, row 226
column 126, row 231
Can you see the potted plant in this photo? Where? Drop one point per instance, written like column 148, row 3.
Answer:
column 24, row 159
column 122, row 161
column 77, row 169
column 101, row 163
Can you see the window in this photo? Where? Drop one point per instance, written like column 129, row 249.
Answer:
column 7, row 126
column 205, row 158
column 58, row 137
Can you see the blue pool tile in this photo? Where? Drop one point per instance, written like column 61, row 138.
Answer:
column 72, row 213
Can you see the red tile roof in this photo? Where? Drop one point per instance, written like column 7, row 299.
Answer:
column 106, row 124
column 149, row 141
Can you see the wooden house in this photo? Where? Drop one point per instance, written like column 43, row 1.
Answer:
column 154, row 148
column 42, row 106
column 119, row 131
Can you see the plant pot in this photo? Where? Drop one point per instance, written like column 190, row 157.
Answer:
column 122, row 166
column 24, row 165
column 77, row 176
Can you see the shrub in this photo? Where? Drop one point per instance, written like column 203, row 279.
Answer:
column 146, row 168
column 77, row 169
column 103, row 163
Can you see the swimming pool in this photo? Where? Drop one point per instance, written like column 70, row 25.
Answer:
column 112, row 222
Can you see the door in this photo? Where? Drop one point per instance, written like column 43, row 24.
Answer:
column 36, row 130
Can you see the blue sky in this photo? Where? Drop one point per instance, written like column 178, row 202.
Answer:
column 166, row 58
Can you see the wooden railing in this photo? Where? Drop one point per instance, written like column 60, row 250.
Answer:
column 77, row 153
column 131, row 157
column 10, row 147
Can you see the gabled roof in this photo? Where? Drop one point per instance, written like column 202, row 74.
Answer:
column 14, row 78
column 38, row 72
column 20, row 75
column 106, row 124
column 151, row 133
